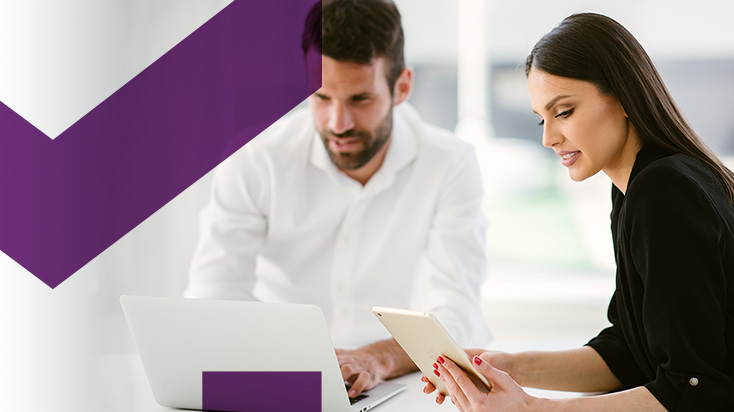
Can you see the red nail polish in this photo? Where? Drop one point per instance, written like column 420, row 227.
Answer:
column 435, row 366
column 436, row 372
column 477, row 360
column 441, row 360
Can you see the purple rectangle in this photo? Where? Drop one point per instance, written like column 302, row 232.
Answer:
column 261, row 391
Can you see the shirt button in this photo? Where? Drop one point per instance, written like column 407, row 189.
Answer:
column 693, row 381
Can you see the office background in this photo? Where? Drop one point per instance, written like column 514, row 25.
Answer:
column 551, row 266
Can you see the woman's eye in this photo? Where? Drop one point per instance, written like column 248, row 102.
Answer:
column 564, row 114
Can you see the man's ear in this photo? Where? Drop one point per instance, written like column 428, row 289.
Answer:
column 403, row 86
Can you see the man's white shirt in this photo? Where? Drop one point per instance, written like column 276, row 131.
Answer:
column 285, row 225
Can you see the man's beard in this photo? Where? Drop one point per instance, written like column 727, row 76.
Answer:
column 371, row 143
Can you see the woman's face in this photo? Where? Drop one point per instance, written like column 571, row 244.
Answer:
column 590, row 131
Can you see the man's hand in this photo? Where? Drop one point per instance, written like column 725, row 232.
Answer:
column 365, row 367
column 360, row 369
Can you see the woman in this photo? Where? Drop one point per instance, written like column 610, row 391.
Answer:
column 603, row 107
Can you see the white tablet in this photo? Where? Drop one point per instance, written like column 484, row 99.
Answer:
column 424, row 338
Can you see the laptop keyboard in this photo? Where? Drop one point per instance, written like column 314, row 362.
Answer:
column 357, row 398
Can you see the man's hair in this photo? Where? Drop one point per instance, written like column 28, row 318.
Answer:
column 357, row 31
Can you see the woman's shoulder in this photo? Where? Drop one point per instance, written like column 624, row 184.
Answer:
column 674, row 174
column 679, row 180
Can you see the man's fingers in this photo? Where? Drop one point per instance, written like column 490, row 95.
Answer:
column 360, row 369
column 348, row 372
column 360, row 384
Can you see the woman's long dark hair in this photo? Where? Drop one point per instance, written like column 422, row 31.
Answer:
column 597, row 49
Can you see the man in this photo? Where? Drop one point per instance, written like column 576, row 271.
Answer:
column 353, row 203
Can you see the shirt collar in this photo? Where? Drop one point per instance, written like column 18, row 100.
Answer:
column 645, row 156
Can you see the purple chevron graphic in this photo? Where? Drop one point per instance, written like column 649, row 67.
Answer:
column 261, row 391
column 64, row 201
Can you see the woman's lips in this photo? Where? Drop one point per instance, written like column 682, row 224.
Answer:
column 569, row 158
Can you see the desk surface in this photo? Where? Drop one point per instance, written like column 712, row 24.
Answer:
column 132, row 393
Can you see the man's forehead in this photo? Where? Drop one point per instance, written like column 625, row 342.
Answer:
column 353, row 77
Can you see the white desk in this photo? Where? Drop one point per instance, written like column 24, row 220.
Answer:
column 414, row 400
column 130, row 390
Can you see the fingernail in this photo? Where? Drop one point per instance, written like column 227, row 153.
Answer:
column 441, row 360
column 352, row 394
column 435, row 366
column 434, row 371
column 477, row 360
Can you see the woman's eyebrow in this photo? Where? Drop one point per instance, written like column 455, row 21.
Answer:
column 555, row 100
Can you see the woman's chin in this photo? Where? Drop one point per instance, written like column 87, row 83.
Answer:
column 578, row 176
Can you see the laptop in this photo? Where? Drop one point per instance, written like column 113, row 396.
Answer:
column 237, row 356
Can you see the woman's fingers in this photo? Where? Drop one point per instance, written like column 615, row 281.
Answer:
column 472, row 352
column 504, row 392
column 455, row 380
column 494, row 376
column 429, row 388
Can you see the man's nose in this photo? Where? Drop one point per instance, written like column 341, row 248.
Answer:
column 340, row 119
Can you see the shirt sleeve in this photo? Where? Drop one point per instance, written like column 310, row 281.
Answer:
column 675, row 237
column 453, row 266
column 232, row 230
column 612, row 347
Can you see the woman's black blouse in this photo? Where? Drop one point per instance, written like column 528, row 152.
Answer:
column 672, row 313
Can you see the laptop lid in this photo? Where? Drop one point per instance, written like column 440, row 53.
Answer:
column 190, row 349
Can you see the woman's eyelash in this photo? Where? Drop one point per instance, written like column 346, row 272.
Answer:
column 564, row 114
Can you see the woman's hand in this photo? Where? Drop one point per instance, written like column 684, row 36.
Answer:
column 500, row 360
column 504, row 395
